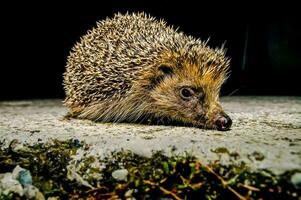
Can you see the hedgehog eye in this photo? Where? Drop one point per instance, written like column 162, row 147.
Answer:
column 186, row 93
column 165, row 69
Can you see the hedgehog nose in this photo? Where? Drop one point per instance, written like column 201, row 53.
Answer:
column 223, row 122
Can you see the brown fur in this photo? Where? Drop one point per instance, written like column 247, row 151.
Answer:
column 131, row 68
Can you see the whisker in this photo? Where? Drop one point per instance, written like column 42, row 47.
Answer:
column 233, row 92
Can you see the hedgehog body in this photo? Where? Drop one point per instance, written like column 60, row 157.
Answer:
column 135, row 68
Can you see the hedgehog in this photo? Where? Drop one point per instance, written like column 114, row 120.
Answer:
column 135, row 68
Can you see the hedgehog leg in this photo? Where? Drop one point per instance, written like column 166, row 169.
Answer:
column 70, row 115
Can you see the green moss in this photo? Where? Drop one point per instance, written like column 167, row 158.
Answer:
column 46, row 162
column 176, row 177
column 221, row 150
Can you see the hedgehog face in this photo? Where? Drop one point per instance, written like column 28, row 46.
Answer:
column 183, row 95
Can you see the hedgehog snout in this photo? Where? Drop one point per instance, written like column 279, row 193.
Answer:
column 222, row 122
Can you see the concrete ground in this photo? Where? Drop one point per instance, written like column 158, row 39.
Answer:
column 266, row 132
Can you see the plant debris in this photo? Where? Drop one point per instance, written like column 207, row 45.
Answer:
column 176, row 177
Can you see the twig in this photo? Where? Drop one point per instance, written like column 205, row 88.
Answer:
column 248, row 187
column 96, row 189
column 162, row 189
column 233, row 92
column 224, row 183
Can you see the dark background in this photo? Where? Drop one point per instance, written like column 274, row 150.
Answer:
column 264, row 42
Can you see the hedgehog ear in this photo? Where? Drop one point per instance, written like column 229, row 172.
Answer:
column 165, row 69
column 162, row 72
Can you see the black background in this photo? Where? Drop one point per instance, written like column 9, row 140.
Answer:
column 37, row 37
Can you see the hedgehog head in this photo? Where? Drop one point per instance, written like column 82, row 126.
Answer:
column 186, row 86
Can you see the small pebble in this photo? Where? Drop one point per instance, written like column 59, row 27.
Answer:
column 120, row 174
column 8, row 184
column 22, row 175
column 31, row 192
column 296, row 180
column 129, row 195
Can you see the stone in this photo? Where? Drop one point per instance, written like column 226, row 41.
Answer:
column 120, row 174
column 296, row 180
column 265, row 132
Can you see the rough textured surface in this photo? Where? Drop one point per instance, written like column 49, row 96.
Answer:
column 266, row 132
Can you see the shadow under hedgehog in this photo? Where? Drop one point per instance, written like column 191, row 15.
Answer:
column 135, row 68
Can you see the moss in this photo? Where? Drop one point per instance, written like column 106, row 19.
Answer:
column 221, row 150
column 176, row 177
column 47, row 163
